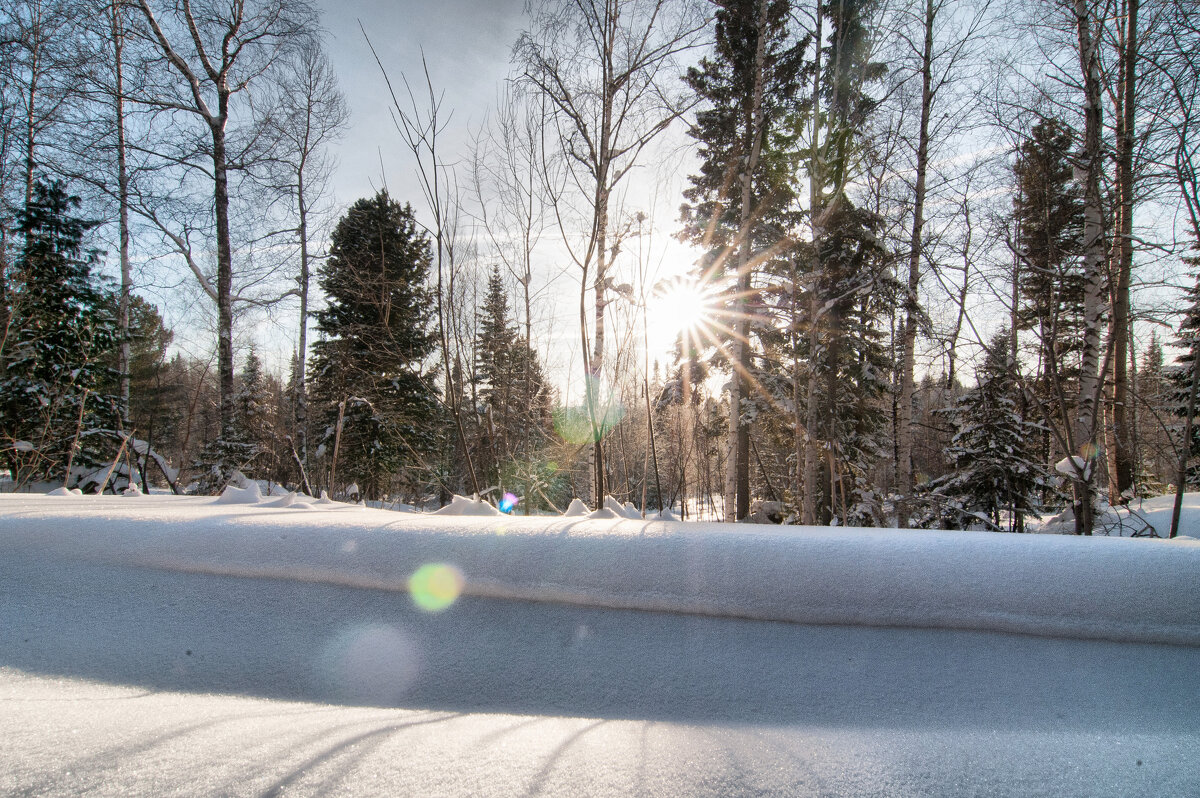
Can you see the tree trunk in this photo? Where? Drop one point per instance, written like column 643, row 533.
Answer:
column 904, row 472
column 1093, row 263
column 815, row 190
column 301, row 418
column 1121, row 405
column 118, row 35
column 224, row 271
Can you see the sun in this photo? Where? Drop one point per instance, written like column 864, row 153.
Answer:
column 682, row 306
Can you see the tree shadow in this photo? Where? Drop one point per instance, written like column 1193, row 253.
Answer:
column 166, row 630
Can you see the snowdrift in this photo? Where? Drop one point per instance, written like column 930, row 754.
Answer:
column 1090, row 588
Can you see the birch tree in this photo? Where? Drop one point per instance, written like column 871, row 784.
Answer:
column 210, row 58
column 607, row 69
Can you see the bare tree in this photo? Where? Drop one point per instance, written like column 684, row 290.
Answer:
column 609, row 70
column 209, row 57
column 937, row 44
column 311, row 113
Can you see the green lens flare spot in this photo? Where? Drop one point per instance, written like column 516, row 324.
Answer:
column 435, row 586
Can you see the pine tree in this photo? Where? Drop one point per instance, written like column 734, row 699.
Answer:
column 994, row 481
column 370, row 366
column 254, row 413
column 740, row 203
column 60, row 338
column 515, row 399
column 1187, row 340
column 1048, row 216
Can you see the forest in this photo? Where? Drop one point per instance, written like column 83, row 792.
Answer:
column 941, row 260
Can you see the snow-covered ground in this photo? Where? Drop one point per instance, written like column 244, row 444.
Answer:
column 164, row 645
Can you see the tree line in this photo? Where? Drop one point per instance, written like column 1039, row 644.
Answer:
column 945, row 250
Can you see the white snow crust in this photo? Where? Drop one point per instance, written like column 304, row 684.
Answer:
column 1036, row 584
column 179, row 646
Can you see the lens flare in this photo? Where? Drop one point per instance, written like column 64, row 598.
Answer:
column 371, row 663
column 508, row 503
column 435, row 586
column 574, row 424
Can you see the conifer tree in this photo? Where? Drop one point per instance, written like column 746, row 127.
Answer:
column 848, row 287
column 254, row 413
column 995, row 480
column 58, row 344
column 1048, row 215
column 513, row 393
column 1183, row 380
column 739, row 205
column 370, row 367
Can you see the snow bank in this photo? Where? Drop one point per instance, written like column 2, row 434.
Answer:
column 1060, row 586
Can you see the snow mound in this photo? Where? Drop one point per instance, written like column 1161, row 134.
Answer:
column 280, row 490
column 289, row 499
column 1055, row 586
column 576, row 508
column 235, row 495
column 461, row 505
column 132, row 490
column 60, row 492
column 325, row 498
column 665, row 515
column 618, row 510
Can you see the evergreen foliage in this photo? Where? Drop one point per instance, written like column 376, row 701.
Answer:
column 1048, row 217
column 515, row 399
column 724, row 83
column 254, row 418
column 1187, row 340
column 57, row 348
column 849, row 290
column 371, row 362
column 852, row 362
column 994, row 481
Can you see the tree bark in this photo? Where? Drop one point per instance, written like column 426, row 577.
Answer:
column 118, row 37
column 1093, row 267
column 1123, row 458
column 904, row 472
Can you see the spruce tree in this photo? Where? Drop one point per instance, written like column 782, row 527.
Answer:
column 370, row 365
column 254, row 413
column 848, row 289
column 1187, row 340
column 513, row 393
column 58, row 345
column 995, row 480
column 1048, row 217
column 740, row 204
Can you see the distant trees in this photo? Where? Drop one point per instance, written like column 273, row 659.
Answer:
column 515, row 398
column 372, row 387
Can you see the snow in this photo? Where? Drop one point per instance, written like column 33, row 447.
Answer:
column 1073, row 465
column 461, row 505
column 1038, row 584
column 251, row 494
column 182, row 645
column 576, row 508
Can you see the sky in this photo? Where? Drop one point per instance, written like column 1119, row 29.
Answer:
column 467, row 47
